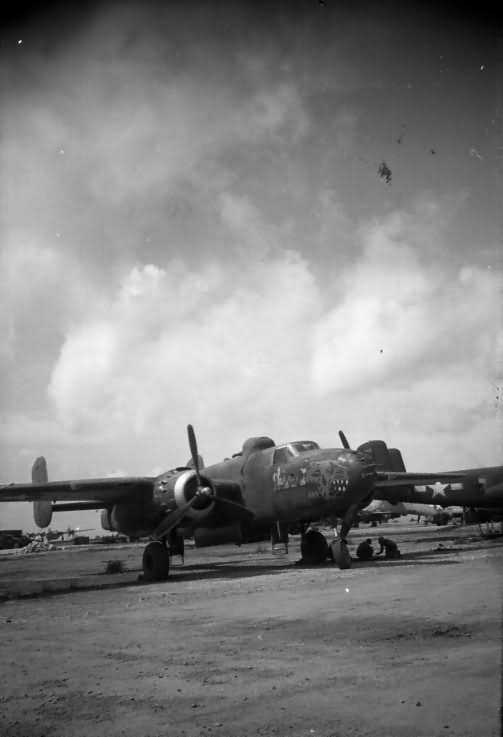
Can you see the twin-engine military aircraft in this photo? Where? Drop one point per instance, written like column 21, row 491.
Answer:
column 264, row 484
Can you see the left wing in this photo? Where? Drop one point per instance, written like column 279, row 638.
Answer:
column 103, row 492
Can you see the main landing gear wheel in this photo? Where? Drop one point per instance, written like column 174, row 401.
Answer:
column 155, row 562
column 340, row 554
column 313, row 547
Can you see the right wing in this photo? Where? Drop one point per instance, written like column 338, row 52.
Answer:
column 389, row 479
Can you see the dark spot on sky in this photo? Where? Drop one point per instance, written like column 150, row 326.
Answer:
column 384, row 172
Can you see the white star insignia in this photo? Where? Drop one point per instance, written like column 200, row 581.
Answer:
column 439, row 489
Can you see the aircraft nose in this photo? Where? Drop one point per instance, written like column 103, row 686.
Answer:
column 359, row 463
column 361, row 475
column 367, row 465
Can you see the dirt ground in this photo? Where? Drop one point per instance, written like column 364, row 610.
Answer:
column 242, row 642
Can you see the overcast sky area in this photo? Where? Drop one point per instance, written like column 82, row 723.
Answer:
column 195, row 228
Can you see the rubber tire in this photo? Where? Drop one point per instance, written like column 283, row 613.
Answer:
column 155, row 562
column 314, row 548
column 340, row 554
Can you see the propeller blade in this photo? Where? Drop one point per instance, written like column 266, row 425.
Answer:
column 171, row 520
column 193, row 452
column 344, row 440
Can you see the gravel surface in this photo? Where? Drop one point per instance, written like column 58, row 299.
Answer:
column 242, row 642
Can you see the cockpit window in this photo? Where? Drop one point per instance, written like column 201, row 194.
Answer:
column 286, row 453
column 282, row 455
column 305, row 445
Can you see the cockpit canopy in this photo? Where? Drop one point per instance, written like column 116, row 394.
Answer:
column 289, row 451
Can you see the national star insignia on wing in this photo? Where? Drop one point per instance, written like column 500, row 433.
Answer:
column 439, row 489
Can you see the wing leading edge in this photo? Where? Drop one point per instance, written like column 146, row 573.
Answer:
column 100, row 491
column 405, row 478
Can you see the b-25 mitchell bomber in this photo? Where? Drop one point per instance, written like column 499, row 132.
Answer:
column 264, row 484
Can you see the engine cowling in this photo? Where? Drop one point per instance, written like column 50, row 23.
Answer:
column 175, row 489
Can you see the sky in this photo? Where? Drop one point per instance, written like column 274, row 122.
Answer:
column 278, row 219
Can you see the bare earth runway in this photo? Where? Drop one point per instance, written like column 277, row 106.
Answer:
column 240, row 642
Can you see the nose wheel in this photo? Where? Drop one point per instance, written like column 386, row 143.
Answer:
column 155, row 562
column 313, row 547
column 340, row 554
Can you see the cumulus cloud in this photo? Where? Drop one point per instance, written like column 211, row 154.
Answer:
column 176, row 344
column 193, row 233
column 397, row 349
column 402, row 317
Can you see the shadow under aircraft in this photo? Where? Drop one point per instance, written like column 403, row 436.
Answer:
column 264, row 484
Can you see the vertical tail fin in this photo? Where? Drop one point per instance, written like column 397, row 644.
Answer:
column 397, row 463
column 39, row 471
column 377, row 450
column 42, row 510
column 190, row 462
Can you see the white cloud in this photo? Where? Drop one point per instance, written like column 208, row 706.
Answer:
column 402, row 316
column 182, row 244
column 189, row 344
column 255, row 344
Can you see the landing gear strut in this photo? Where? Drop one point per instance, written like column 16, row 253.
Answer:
column 339, row 547
column 340, row 554
column 155, row 562
column 279, row 535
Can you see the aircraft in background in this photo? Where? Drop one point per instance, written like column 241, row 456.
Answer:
column 69, row 533
column 263, row 484
column 379, row 508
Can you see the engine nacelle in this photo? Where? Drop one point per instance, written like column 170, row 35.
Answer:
column 134, row 519
column 204, row 537
column 179, row 487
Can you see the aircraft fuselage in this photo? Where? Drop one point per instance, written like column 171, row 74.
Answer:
column 305, row 487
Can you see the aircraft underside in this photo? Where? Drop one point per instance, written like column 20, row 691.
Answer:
column 315, row 550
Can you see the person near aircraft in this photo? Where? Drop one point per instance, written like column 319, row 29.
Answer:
column 365, row 551
column 389, row 547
